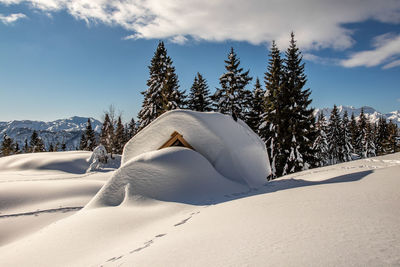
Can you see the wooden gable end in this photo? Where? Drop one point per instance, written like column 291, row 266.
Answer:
column 176, row 140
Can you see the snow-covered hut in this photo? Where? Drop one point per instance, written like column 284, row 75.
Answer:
column 231, row 147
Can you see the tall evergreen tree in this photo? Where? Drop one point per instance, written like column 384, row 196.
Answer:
column 392, row 139
column 382, row 136
column 296, row 114
column 354, row 133
column 7, row 147
column 231, row 97
column 347, row 148
column 256, row 107
column 321, row 146
column 107, row 134
column 361, row 139
column 119, row 137
column 370, row 148
column 36, row 143
column 90, row 137
column 131, row 129
column 335, row 137
column 83, row 142
column 269, row 129
column 199, row 96
column 163, row 92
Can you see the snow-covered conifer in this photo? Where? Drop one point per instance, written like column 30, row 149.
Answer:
column 119, row 137
column 269, row 128
column 7, row 147
column 320, row 145
column 335, row 138
column 256, row 107
column 90, row 137
column 163, row 92
column 199, row 97
column 361, row 140
column 231, row 97
column 107, row 134
column 347, row 148
column 296, row 115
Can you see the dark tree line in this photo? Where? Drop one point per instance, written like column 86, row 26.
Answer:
column 34, row 145
column 341, row 139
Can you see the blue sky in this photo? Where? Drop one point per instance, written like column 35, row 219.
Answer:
column 63, row 58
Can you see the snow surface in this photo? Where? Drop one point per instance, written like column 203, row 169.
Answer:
column 342, row 215
column 231, row 147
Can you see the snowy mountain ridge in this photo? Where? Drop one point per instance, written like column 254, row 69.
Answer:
column 372, row 114
column 74, row 123
column 60, row 131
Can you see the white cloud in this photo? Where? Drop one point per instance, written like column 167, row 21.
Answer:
column 320, row 60
column 317, row 23
column 395, row 63
column 11, row 18
column 387, row 49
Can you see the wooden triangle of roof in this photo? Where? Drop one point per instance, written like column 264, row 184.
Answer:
column 176, row 137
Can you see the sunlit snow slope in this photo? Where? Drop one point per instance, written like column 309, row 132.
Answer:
column 342, row 215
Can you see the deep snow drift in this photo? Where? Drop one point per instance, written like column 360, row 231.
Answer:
column 170, row 174
column 38, row 189
column 234, row 150
column 347, row 214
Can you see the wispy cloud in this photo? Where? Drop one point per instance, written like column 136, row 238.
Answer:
column 386, row 51
column 8, row 19
column 321, row 60
column 317, row 23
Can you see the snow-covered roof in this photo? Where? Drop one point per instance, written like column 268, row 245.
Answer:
column 231, row 147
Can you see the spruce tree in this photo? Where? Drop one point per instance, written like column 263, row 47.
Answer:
column 119, row 137
column 269, row 129
column 231, row 97
column 335, row 138
column 83, row 142
column 35, row 142
column 297, row 116
column 392, row 138
column 51, row 147
column 107, row 134
column 7, row 147
column 361, row 139
column 347, row 148
column 199, row 97
column 256, row 110
column 354, row 133
column 90, row 137
column 163, row 92
column 321, row 146
column 370, row 148
column 131, row 129
column 382, row 136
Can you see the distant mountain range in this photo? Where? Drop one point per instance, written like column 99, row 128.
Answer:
column 66, row 131
column 69, row 130
column 372, row 114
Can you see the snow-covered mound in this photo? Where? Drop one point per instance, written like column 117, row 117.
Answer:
column 71, row 161
column 231, row 147
column 171, row 174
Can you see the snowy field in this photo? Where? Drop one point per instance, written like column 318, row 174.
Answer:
column 342, row 215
